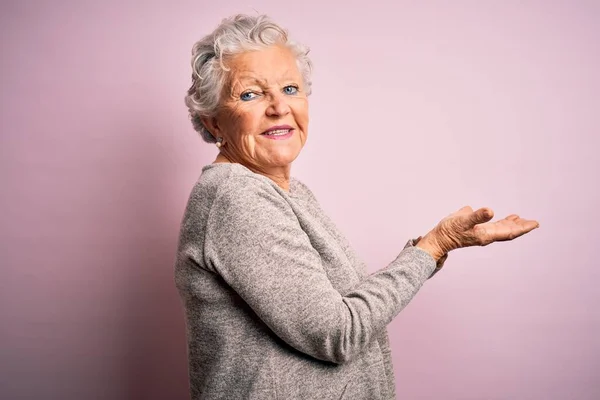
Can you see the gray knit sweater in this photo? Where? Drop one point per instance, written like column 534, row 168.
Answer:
column 277, row 304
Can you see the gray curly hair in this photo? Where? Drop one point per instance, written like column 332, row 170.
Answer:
column 234, row 35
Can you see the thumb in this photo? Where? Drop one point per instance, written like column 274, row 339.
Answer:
column 480, row 216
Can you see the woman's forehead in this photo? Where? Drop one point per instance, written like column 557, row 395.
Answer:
column 264, row 78
column 266, row 66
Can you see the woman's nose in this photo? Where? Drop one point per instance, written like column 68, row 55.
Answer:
column 278, row 106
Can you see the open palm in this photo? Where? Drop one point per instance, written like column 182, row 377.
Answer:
column 505, row 229
column 473, row 228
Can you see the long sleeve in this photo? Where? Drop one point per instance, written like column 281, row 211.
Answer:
column 255, row 242
column 440, row 262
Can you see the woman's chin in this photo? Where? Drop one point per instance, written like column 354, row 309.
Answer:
column 280, row 161
column 283, row 157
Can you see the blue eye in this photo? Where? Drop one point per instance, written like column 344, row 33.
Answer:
column 247, row 96
column 291, row 89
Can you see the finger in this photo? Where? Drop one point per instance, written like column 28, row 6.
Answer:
column 479, row 217
column 512, row 217
column 466, row 210
column 526, row 222
column 530, row 223
column 524, row 226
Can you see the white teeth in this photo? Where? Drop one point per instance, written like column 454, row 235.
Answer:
column 278, row 132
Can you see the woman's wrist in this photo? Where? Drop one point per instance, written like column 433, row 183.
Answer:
column 429, row 244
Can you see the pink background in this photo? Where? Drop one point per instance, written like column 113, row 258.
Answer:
column 418, row 109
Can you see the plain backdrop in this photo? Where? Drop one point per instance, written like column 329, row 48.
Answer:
column 418, row 108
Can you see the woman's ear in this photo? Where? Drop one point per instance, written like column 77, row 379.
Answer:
column 211, row 125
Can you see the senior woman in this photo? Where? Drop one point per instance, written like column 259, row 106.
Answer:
column 277, row 304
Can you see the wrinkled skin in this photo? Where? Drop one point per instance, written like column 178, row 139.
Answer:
column 465, row 228
column 264, row 88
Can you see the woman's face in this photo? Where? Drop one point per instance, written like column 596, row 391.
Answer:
column 263, row 115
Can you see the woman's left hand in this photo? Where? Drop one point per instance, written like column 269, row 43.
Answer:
column 503, row 230
column 466, row 227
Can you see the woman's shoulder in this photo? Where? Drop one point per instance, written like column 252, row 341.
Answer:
column 230, row 181
column 217, row 175
column 224, row 190
column 300, row 190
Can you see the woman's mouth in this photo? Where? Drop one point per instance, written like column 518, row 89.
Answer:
column 278, row 134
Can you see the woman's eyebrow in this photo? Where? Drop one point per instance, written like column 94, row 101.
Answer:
column 250, row 79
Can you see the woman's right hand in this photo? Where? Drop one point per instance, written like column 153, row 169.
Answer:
column 466, row 227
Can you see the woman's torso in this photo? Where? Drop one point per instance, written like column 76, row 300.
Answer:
column 232, row 353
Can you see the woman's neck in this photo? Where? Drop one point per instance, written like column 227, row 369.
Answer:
column 280, row 175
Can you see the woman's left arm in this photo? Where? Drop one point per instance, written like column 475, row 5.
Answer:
column 440, row 262
column 256, row 244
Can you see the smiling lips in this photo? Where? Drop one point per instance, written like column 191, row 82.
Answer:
column 278, row 132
